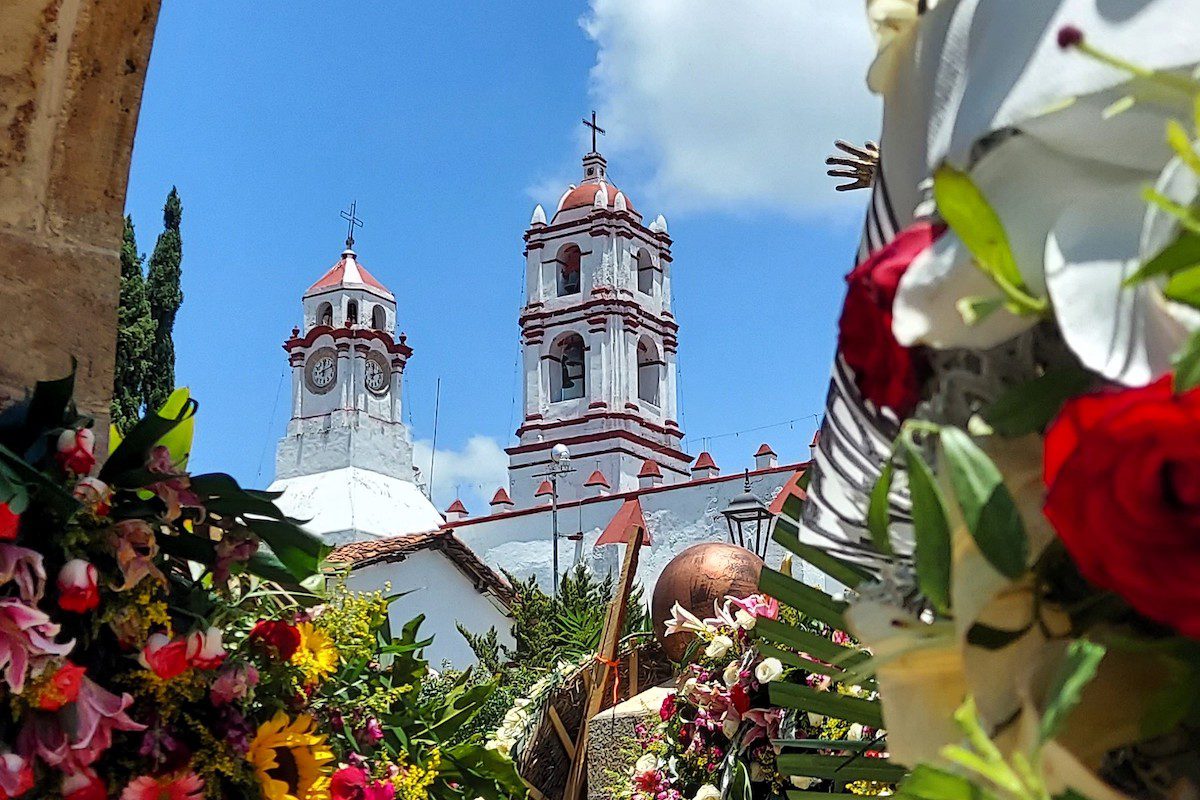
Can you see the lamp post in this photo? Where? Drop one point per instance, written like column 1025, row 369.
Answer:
column 560, row 464
column 747, row 517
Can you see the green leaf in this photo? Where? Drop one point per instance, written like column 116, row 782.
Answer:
column 877, row 510
column 1184, row 286
column 131, row 454
column 967, row 211
column 930, row 783
column 831, row 704
column 1187, row 365
column 1083, row 658
column 1179, row 255
column 839, row 768
column 1181, row 143
column 1029, row 407
column 805, row 599
column 987, row 507
column 807, row 642
column 975, row 310
column 930, row 529
column 1182, row 213
column 843, row 572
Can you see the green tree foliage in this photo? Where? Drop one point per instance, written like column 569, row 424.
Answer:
column 165, row 298
column 135, row 336
column 547, row 631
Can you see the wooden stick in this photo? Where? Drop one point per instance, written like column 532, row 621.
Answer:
column 633, row 672
column 561, row 730
column 534, row 792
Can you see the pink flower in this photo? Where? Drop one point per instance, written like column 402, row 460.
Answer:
column 78, row 588
column 83, row 785
column 235, row 547
column 94, row 494
column 10, row 523
column 348, row 783
column 233, row 683
column 175, row 488
column 97, row 713
column 136, row 548
column 24, row 566
column 667, row 709
column 380, row 790
column 16, row 775
column 205, row 650
column 75, row 448
column 25, row 633
column 165, row 657
column 758, row 605
column 186, row 786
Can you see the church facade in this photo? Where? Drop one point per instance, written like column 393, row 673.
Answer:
column 600, row 426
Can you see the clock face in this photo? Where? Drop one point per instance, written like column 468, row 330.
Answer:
column 377, row 374
column 322, row 371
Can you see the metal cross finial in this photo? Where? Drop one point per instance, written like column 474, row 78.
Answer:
column 595, row 129
column 352, row 222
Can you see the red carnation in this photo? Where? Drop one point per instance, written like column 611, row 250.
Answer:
column 282, row 636
column 1122, row 469
column 78, row 586
column 348, row 783
column 885, row 372
column 10, row 523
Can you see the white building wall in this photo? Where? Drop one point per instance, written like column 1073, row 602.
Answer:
column 440, row 591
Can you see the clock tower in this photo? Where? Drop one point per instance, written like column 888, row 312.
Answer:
column 345, row 462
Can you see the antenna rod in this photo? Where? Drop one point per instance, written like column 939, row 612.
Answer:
column 437, row 400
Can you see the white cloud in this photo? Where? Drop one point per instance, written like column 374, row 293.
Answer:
column 474, row 472
column 735, row 104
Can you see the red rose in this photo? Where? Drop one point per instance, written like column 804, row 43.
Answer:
column 1122, row 470
column 164, row 656
column 10, row 523
column 885, row 372
column 282, row 636
column 667, row 709
column 62, row 688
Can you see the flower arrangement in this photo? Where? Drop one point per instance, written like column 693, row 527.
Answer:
column 716, row 729
column 1026, row 576
column 161, row 636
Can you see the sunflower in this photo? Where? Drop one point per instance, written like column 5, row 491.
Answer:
column 290, row 760
column 317, row 656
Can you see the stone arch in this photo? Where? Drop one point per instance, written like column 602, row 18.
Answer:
column 567, row 269
column 649, row 371
column 647, row 275
column 567, row 361
column 378, row 317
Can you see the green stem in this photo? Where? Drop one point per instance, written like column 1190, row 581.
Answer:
column 1169, row 80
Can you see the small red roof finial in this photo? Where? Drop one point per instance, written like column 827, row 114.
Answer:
column 764, row 449
column 704, row 461
column 650, row 469
column 545, row 490
column 501, row 498
column 597, row 479
column 457, row 507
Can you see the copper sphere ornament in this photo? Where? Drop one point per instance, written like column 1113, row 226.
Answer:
column 695, row 578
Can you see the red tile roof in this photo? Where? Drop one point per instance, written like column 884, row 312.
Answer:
column 704, row 461
column 545, row 490
column 764, row 449
column 397, row 548
column 457, row 507
column 597, row 479
column 336, row 276
column 584, row 195
column 650, row 469
column 501, row 498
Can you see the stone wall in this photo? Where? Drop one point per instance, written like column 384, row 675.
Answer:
column 71, row 77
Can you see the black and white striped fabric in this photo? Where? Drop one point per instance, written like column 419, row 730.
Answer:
column 856, row 437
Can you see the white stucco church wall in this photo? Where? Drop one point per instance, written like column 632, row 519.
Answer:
column 433, row 586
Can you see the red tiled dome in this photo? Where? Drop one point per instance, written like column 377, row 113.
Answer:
column 348, row 272
column 584, row 196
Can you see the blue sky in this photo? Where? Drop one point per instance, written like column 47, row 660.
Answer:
column 447, row 122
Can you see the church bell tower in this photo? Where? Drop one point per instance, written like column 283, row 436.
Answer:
column 345, row 462
column 598, row 340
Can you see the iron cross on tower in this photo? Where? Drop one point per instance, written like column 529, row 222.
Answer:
column 352, row 222
column 595, row 129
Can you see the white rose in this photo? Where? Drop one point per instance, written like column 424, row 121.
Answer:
column 802, row 782
column 708, row 792
column 815, row 719
column 768, row 670
column 855, row 733
column 732, row 673
column 744, row 619
column 718, row 647
column 647, row 763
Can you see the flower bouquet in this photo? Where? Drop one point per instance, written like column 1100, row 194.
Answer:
column 160, row 637
column 1006, row 476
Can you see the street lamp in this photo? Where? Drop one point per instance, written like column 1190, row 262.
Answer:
column 748, row 518
column 560, row 464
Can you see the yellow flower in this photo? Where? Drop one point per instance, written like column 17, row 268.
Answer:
column 290, row 760
column 317, row 657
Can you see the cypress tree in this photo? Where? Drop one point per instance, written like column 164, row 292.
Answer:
column 135, row 335
column 165, row 298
